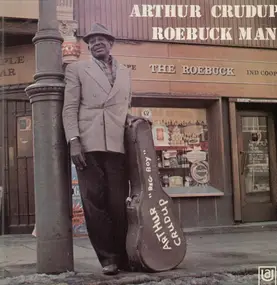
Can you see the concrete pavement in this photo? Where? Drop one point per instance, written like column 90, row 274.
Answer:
column 206, row 255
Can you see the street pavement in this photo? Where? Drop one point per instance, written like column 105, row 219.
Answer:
column 216, row 279
column 228, row 258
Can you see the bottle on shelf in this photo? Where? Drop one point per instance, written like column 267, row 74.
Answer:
column 186, row 163
column 187, row 172
column 182, row 159
column 166, row 162
column 166, row 180
column 159, row 161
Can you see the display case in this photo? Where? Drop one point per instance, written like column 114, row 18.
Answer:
column 181, row 141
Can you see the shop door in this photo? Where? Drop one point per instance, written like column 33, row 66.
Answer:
column 20, row 204
column 257, row 151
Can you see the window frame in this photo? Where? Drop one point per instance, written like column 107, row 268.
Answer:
column 213, row 107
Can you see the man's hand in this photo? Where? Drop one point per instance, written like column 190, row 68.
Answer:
column 77, row 154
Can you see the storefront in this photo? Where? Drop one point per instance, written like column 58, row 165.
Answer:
column 213, row 126
column 253, row 137
column 16, row 155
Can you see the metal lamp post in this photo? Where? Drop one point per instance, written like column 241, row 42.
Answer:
column 51, row 164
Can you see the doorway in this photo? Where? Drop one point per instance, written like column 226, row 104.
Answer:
column 257, row 165
column 18, row 178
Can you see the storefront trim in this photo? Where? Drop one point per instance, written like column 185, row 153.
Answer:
column 252, row 100
column 235, row 161
column 205, row 81
column 205, row 191
column 14, row 92
column 21, row 27
column 205, row 97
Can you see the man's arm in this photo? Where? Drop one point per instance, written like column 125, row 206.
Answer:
column 72, row 96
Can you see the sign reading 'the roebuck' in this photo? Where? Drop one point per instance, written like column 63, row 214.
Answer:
column 193, row 70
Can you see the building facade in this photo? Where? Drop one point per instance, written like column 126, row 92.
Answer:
column 17, row 68
column 212, row 105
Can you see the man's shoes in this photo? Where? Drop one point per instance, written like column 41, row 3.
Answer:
column 111, row 269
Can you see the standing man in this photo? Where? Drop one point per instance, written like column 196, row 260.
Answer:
column 96, row 103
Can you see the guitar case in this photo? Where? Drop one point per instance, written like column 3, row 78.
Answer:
column 155, row 241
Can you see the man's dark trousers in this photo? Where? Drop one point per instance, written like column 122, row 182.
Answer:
column 104, row 188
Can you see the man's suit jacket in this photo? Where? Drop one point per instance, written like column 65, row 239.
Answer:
column 93, row 109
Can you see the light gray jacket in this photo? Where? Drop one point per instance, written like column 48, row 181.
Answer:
column 93, row 109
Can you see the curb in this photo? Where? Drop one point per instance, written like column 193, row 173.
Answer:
column 241, row 228
column 235, row 228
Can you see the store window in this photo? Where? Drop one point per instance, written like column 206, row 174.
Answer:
column 181, row 140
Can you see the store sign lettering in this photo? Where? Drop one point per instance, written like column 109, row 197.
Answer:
column 208, row 70
column 193, row 70
column 131, row 66
column 163, row 68
column 7, row 72
column 6, row 65
column 261, row 72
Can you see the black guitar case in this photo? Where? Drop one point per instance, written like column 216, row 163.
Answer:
column 155, row 241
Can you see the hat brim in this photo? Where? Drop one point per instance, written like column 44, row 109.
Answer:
column 86, row 37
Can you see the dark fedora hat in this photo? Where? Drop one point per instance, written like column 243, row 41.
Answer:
column 98, row 29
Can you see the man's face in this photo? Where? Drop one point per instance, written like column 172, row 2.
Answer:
column 99, row 46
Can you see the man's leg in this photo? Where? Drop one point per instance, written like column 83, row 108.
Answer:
column 99, row 226
column 118, row 186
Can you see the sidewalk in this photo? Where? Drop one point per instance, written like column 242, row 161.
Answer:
column 206, row 254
